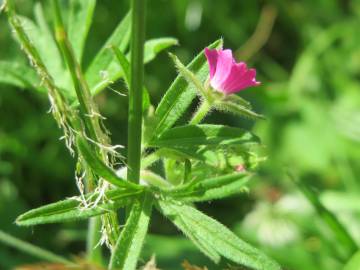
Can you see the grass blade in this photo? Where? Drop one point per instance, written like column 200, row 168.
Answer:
column 328, row 217
column 33, row 250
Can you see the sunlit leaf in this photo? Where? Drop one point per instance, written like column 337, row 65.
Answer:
column 19, row 75
column 80, row 19
column 198, row 135
column 99, row 67
column 100, row 168
column 215, row 235
column 128, row 247
column 180, row 94
column 75, row 208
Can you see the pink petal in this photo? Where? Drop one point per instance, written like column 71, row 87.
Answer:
column 226, row 75
column 212, row 57
column 240, row 80
column 223, row 68
column 237, row 72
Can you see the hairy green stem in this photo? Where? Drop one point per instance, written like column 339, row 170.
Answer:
column 201, row 112
column 135, row 94
column 35, row 251
column 93, row 249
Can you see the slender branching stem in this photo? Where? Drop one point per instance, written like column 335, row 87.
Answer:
column 135, row 93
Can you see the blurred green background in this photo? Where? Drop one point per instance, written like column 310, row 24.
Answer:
column 307, row 54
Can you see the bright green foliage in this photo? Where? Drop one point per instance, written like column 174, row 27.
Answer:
column 215, row 236
column 180, row 94
column 131, row 240
column 19, row 75
column 200, row 160
column 79, row 22
column 77, row 208
column 353, row 263
column 102, row 61
column 211, row 189
column 199, row 135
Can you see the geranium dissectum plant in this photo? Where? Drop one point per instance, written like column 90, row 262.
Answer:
column 226, row 75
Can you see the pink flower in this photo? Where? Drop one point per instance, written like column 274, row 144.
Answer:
column 226, row 75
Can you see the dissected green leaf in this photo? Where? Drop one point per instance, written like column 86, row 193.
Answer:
column 198, row 135
column 128, row 247
column 180, row 94
column 19, row 75
column 75, row 209
column 120, row 38
column 213, row 234
column 80, row 18
column 100, row 168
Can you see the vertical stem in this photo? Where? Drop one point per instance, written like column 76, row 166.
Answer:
column 135, row 93
column 93, row 239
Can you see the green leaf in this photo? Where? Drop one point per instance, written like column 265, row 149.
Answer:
column 180, row 94
column 42, row 37
column 125, row 70
column 239, row 108
column 151, row 48
column 190, row 77
column 199, row 135
column 201, row 243
column 74, row 209
column 19, row 75
column 154, row 46
column 102, row 169
column 128, row 247
column 80, row 18
column 212, row 188
column 353, row 263
column 120, row 38
column 216, row 236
